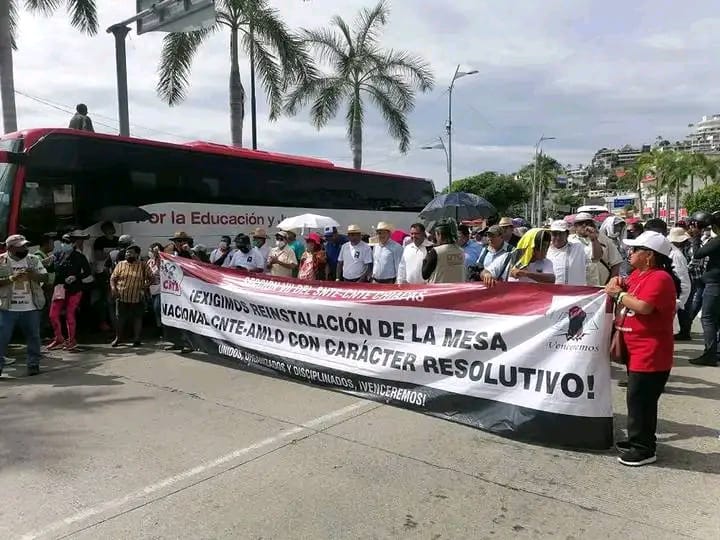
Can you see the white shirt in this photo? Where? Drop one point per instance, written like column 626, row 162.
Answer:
column 498, row 266
column 251, row 261
column 265, row 250
column 22, row 299
column 410, row 269
column 570, row 264
column 610, row 256
column 216, row 254
column 386, row 260
column 681, row 271
column 544, row 266
column 354, row 259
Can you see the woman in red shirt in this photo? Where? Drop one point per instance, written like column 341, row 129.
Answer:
column 647, row 297
column 313, row 262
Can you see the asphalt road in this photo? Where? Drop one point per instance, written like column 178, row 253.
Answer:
column 118, row 444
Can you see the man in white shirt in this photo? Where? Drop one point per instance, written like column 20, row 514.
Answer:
column 386, row 255
column 605, row 259
column 496, row 247
column 247, row 256
column 260, row 241
column 569, row 259
column 356, row 258
column 677, row 237
column 410, row 269
column 282, row 261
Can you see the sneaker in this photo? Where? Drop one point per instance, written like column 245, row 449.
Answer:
column 115, row 342
column 33, row 370
column 634, row 458
column 71, row 346
column 9, row 361
column 55, row 344
column 703, row 360
column 622, row 446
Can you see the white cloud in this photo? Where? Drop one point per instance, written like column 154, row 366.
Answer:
column 575, row 69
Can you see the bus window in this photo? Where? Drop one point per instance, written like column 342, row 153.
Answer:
column 46, row 206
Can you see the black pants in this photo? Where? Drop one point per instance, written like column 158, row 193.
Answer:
column 685, row 315
column 130, row 313
column 643, row 392
column 711, row 318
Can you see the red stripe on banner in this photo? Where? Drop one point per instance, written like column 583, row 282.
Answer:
column 503, row 299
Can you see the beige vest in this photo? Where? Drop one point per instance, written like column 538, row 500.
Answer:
column 450, row 264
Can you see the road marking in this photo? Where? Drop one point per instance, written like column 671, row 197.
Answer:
column 190, row 473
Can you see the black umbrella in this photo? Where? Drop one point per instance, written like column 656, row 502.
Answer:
column 121, row 214
column 459, row 206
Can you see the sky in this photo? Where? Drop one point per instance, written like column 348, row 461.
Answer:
column 591, row 74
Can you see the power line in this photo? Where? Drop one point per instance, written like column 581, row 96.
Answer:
column 55, row 106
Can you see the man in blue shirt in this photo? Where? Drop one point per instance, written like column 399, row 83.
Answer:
column 471, row 248
column 333, row 243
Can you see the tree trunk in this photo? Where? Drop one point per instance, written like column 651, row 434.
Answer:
column 640, row 199
column 677, row 204
column 7, row 80
column 356, row 135
column 237, row 92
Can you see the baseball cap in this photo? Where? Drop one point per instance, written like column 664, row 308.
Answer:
column 651, row 240
column 559, row 226
column 583, row 216
column 329, row 231
column 16, row 240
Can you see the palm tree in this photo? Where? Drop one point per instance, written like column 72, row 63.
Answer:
column 360, row 70
column 83, row 16
column 279, row 57
column 659, row 163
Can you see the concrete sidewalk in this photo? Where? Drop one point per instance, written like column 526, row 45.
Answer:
column 123, row 443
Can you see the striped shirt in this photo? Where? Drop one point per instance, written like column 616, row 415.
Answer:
column 131, row 279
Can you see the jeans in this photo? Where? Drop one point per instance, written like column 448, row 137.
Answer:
column 696, row 297
column 29, row 322
column 643, row 392
column 71, row 302
column 711, row 318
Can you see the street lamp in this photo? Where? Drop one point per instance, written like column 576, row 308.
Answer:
column 458, row 75
column 537, row 191
column 440, row 145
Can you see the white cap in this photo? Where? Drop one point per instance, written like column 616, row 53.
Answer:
column 583, row 216
column 651, row 240
column 678, row 235
column 559, row 226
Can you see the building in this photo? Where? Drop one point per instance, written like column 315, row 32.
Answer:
column 706, row 137
column 577, row 176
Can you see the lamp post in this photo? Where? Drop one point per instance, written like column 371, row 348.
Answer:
column 536, row 207
column 458, row 75
column 440, row 145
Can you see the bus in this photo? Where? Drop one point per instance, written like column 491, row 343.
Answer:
column 55, row 179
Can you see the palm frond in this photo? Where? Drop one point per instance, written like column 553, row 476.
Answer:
column 394, row 117
column 304, row 92
column 369, row 23
column 178, row 51
column 43, row 7
column 327, row 45
column 14, row 22
column 410, row 66
column 83, row 15
column 338, row 21
column 328, row 100
column 269, row 72
column 397, row 90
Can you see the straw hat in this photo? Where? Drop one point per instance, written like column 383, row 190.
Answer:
column 354, row 229
column 505, row 222
column 384, row 226
column 77, row 234
column 181, row 235
column 260, row 233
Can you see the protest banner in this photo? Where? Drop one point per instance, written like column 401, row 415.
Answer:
column 526, row 361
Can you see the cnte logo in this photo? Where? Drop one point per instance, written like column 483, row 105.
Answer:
column 171, row 277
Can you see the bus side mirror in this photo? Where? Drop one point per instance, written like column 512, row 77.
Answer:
column 13, row 158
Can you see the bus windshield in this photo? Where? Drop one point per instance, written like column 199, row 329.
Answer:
column 7, row 178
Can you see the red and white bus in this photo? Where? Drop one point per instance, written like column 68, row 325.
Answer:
column 52, row 179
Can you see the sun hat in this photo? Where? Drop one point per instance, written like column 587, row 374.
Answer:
column 505, row 222
column 260, row 233
column 354, row 229
column 559, row 226
column 181, row 235
column 314, row 237
column 678, row 235
column 384, row 226
column 77, row 234
column 16, row 240
column 651, row 240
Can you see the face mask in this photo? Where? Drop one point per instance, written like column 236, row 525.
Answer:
column 20, row 253
column 66, row 248
column 223, row 245
column 280, row 243
column 258, row 242
column 244, row 248
column 131, row 258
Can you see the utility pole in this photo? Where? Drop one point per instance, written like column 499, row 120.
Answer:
column 457, row 75
column 120, row 32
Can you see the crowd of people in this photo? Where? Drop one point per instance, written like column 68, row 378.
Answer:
column 659, row 279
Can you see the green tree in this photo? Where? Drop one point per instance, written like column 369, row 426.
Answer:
column 360, row 70
column 662, row 165
column 706, row 199
column 83, row 16
column 566, row 199
column 702, row 166
column 548, row 169
column 502, row 190
column 280, row 57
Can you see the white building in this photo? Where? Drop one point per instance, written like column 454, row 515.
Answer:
column 706, row 137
